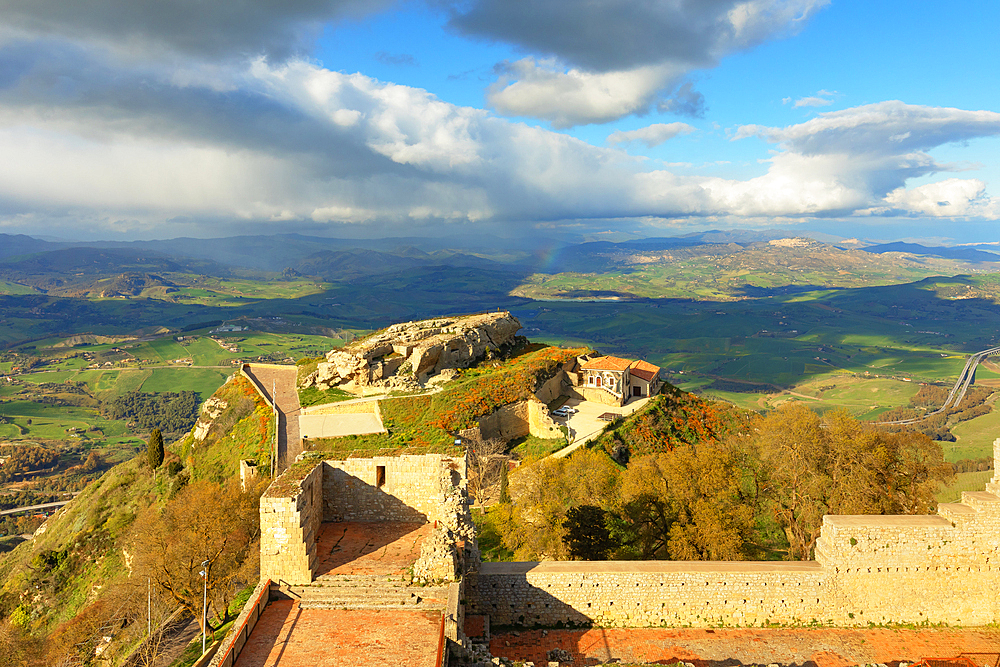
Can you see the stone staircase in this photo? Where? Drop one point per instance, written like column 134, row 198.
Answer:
column 363, row 592
column 975, row 506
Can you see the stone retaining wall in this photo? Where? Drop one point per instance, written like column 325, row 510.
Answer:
column 868, row 569
column 516, row 420
column 412, row 488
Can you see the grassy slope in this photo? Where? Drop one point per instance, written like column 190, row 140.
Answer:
column 90, row 527
column 964, row 481
column 674, row 418
column 425, row 423
column 975, row 438
column 724, row 272
column 93, row 526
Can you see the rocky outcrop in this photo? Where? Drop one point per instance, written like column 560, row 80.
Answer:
column 210, row 411
column 406, row 355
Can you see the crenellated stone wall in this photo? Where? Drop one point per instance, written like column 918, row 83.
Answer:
column 916, row 569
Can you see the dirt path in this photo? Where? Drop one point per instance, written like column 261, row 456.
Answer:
column 179, row 639
column 281, row 380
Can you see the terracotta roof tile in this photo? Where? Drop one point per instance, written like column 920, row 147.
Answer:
column 644, row 370
column 607, row 364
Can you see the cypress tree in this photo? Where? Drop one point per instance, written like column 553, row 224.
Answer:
column 504, row 491
column 154, row 449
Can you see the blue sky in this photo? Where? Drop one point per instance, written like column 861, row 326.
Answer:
column 341, row 117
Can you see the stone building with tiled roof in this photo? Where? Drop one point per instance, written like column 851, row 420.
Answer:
column 613, row 380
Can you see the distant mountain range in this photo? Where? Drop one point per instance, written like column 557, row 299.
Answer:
column 275, row 252
column 965, row 254
column 26, row 259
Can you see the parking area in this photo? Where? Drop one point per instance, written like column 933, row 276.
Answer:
column 585, row 424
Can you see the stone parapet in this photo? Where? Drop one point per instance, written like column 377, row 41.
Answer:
column 868, row 569
column 649, row 593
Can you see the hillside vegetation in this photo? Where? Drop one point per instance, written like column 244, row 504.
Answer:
column 428, row 422
column 684, row 480
column 76, row 570
column 734, row 271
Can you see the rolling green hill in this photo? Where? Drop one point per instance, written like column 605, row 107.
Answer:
column 733, row 271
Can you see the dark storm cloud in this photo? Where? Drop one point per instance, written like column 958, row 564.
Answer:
column 67, row 84
column 216, row 28
column 601, row 60
column 606, row 35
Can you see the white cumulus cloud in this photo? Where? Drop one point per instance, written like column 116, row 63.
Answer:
column 950, row 198
column 605, row 59
column 86, row 139
column 575, row 97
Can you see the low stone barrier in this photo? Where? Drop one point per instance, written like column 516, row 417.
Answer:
column 942, row 569
column 233, row 643
column 648, row 593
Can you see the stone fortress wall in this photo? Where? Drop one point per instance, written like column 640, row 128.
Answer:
column 427, row 488
column 289, row 524
column 868, row 569
column 408, row 488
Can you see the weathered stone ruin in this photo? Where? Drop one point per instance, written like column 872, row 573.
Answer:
column 406, row 355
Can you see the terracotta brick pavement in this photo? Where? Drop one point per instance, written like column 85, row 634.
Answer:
column 291, row 637
column 817, row 647
column 383, row 548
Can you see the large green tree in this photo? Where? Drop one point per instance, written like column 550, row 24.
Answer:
column 686, row 504
column 587, row 536
column 541, row 493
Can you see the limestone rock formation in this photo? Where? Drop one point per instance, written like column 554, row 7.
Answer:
column 212, row 408
column 406, row 355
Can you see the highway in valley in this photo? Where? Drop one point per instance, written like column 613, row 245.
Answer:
column 957, row 392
